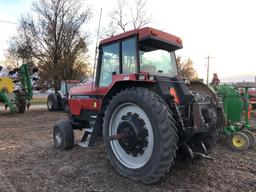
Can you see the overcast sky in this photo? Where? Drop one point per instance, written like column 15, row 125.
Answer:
column 223, row 29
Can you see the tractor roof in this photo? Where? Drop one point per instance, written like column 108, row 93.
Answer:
column 144, row 34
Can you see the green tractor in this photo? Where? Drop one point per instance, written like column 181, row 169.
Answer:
column 16, row 92
column 236, row 107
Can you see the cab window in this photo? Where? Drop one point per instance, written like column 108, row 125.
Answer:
column 109, row 64
column 129, row 56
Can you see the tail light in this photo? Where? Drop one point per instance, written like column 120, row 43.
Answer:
column 174, row 94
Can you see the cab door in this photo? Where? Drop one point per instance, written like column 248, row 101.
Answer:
column 109, row 65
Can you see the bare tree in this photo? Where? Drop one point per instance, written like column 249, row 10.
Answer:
column 139, row 15
column 53, row 37
column 186, row 68
column 126, row 16
column 17, row 54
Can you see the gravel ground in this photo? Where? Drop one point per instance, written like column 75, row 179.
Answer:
column 29, row 162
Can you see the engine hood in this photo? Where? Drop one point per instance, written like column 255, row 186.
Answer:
column 83, row 89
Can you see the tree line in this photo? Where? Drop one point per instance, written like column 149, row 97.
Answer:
column 51, row 38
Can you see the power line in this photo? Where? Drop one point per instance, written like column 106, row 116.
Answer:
column 208, row 66
column 10, row 22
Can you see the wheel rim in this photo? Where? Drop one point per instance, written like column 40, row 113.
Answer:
column 58, row 138
column 49, row 103
column 238, row 141
column 131, row 159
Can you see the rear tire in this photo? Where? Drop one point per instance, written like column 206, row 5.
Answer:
column 63, row 135
column 148, row 156
column 52, row 102
column 210, row 138
column 61, row 102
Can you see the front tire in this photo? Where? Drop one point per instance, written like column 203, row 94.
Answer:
column 148, row 143
column 63, row 135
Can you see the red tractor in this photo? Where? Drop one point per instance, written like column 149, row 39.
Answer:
column 141, row 106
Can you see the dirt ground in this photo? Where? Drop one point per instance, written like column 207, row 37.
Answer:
column 29, row 162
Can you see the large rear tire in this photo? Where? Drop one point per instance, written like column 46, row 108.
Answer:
column 210, row 138
column 148, row 138
column 63, row 135
column 61, row 102
column 52, row 102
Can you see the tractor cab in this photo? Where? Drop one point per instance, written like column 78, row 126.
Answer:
column 148, row 51
column 141, row 56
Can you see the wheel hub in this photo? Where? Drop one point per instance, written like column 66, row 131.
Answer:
column 238, row 141
column 58, row 137
column 134, row 140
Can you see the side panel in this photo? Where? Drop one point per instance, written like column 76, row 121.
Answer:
column 77, row 105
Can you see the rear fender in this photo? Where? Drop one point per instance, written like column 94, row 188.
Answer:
column 121, row 85
column 116, row 87
column 201, row 88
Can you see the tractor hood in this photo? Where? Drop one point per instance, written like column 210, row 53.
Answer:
column 82, row 90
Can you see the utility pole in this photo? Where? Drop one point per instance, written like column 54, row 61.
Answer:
column 208, row 66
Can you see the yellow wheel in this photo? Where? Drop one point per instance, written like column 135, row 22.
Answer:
column 239, row 141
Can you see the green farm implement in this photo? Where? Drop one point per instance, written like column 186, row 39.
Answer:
column 16, row 92
column 236, row 107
